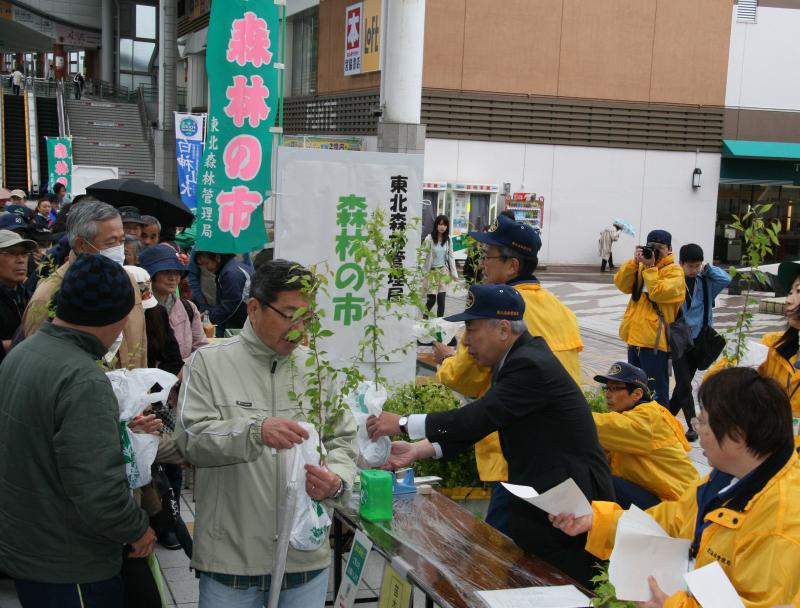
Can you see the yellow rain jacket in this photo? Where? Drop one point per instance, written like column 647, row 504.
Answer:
column 666, row 285
column 758, row 548
column 782, row 371
column 646, row 446
column 545, row 316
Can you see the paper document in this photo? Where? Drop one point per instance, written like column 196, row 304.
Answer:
column 565, row 596
column 566, row 497
column 711, row 587
column 642, row 548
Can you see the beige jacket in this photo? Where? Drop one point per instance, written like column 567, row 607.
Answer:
column 132, row 352
column 228, row 390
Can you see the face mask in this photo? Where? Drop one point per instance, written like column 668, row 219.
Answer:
column 115, row 254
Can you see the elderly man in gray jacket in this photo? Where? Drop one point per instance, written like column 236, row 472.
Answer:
column 235, row 422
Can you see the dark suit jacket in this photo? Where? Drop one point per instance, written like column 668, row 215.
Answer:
column 547, row 435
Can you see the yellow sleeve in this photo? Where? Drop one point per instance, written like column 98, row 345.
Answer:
column 605, row 516
column 624, row 277
column 668, row 287
column 677, row 517
column 463, row 374
column 628, row 433
column 681, row 600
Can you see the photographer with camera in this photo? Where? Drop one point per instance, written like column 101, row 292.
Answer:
column 657, row 289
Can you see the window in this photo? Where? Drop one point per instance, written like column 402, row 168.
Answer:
column 145, row 21
column 746, row 11
column 137, row 46
column 75, row 61
column 304, row 52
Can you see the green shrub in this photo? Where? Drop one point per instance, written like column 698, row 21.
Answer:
column 424, row 399
column 606, row 594
column 596, row 398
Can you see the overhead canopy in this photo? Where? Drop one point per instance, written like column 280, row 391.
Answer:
column 735, row 148
column 15, row 37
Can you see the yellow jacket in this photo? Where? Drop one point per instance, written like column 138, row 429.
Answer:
column 545, row 316
column 666, row 286
column 758, row 548
column 782, row 371
column 646, row 446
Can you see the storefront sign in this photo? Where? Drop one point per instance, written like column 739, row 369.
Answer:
column 354, row 144
column 235, row 175
column 395, row 590
column 59, row 163
column 371, row 36
column 325, row 199
column 77, row 38
column 189, row 130
column 352, row 39
column 354, row 572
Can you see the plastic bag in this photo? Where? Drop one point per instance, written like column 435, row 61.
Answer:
column 132, row 389
column 368, row 401
column 428, row 330
column 311, row 521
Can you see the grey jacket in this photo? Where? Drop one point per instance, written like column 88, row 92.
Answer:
column 229, row 389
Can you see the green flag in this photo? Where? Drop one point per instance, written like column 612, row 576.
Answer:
column 235, row 175
column 59, row 162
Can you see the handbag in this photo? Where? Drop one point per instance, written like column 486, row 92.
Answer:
column 678, row 333
column 708, row 344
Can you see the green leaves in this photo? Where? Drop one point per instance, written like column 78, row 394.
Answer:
column 606, row 594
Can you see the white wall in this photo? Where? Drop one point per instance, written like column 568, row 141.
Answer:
column 585, row 188
column 763, row 66
column 81, row 12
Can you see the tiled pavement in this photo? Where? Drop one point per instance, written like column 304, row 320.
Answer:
column 599, row 308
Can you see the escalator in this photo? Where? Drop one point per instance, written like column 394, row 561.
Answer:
column 47, row 120
column 15, row 150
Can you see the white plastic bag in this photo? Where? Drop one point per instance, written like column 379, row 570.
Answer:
column 311, row 521
column 368, row 401
column 428, row 330
column 131, row 387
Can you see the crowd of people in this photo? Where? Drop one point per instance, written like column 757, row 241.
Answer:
column 111, row 288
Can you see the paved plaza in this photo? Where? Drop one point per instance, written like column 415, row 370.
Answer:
column 599, row 308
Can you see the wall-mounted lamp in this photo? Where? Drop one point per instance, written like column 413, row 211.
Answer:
column 696, row 177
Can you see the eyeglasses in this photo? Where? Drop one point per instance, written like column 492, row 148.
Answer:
column 290, row 318
column 614, row 389
column 14, row 254
column 483, row 256
column 696, row 423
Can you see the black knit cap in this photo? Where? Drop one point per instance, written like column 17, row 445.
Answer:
column 95, row 292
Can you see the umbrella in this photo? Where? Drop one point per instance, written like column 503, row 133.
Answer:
column 148, row 198
column 626, row 226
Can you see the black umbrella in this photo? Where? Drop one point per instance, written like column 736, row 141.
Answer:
column 148, row 198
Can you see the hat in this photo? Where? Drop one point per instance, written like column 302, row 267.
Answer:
column 492, row 302
column 505, row 232
column 142, row 277
column 627, row 373
column 18, row 194
column 130, row 215
column 10, row 239
column 660, row 236
column 43, row 236
column 12, row 221
column 787, row 273
column 95, row 292
column 160, row 257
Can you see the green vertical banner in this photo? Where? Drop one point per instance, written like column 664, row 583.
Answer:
column 59, row 162
column 235, row 176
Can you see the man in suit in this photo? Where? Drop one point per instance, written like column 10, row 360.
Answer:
column 547, row 434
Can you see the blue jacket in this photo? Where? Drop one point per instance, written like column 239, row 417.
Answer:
column 716, row 280
column 233, row 290
column 193, row 277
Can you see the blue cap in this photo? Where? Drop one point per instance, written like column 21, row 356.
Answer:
column 660, row 236
column 505, row 232
column 492, row 302
column 627, row 373
column 158, row 258
column 12, row 221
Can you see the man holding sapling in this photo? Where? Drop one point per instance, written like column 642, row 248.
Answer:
column 236, row 421
column 545, row 426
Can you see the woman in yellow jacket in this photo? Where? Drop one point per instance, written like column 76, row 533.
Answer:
column 646, row 446
column 509, row 256
column 744, row 515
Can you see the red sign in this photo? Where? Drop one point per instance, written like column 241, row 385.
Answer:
column 352, row 40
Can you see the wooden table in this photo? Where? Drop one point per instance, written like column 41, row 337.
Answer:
column 445, row 551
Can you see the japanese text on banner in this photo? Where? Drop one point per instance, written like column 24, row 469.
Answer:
column 59, row 162
column 189, row 152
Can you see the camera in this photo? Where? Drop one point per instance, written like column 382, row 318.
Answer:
column 647, row 252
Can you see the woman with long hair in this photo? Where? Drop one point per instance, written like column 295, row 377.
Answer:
column 440, row 265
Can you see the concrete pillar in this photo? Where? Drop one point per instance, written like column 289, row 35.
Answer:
column 60, row 62
column 166, row 170
column 107, row 41
column 401, row 81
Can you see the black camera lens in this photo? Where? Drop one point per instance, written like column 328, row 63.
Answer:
column 647, row 252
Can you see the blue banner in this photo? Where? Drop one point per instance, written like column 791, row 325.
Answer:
column 189, row 131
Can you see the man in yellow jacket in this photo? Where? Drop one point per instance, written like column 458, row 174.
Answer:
column 509, row 256
column 646, row 447
column 657, row 289
column 744, row 515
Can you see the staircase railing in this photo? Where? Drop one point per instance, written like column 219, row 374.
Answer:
column 32, row 134
column 147, row 128
column 61, row 108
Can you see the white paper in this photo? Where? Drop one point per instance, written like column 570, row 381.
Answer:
column 711, row 587
column 642, row 548
column 565, row 596
column 566, row 497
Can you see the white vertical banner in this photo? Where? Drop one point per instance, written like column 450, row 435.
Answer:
column 323, row 197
